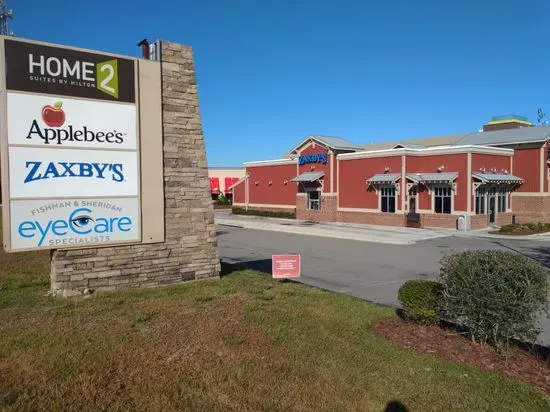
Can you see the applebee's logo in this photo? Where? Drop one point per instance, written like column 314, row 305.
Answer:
column 79, row 224
column 55, row 170
column 54, row 118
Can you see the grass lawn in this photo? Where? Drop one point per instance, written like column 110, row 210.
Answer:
column 244, row 343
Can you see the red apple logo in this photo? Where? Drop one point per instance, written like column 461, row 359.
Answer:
column 53, row 116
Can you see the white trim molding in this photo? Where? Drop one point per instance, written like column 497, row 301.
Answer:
column 428, row 151
column 271, row 162
column 530, row 194
column 542, row 163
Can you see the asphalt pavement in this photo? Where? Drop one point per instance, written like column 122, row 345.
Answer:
column 368, row 270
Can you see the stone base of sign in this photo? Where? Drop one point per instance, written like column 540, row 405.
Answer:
column 190, row 249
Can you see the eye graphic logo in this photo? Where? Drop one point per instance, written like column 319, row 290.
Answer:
column 81, row 221
column 53, row 116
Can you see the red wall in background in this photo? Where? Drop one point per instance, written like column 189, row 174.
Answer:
column 317, row 167
column 353, row 175
column 490, row 161
column 527, row 166
column 452, row 163
column 277, row 193
column 238, row 192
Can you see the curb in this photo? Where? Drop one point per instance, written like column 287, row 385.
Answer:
column 317, row 233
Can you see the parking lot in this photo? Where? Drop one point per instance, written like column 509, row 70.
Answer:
column 368, row 270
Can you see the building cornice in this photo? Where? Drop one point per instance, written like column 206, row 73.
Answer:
column 428, row 151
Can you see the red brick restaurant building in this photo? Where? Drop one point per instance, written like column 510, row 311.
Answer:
column 469, row 181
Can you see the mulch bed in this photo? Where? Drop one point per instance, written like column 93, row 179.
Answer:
column 518, row 233
column 447, row 343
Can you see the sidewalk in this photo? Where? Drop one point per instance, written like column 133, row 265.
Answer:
column 350, row 231
column 354, row 231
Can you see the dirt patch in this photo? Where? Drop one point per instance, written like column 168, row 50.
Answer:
column 448, row 344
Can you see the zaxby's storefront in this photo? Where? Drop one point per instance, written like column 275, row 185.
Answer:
column 459, row 185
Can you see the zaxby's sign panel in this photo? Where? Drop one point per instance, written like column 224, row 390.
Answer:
column 73, row 222
column 38, row 68
column 70, row 140
column 68, row 173
column 68, row 122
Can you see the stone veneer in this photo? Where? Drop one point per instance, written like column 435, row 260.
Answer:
column 189, row 251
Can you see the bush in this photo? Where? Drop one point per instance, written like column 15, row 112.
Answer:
column 508, row 228
column 265, row 213
column 223, row 200
column 497, row 295
column 420, row 300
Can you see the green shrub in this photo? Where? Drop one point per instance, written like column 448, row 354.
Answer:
column 532, row 226
column 507, row 228
column 420, row 300
column 223, row 200
column 265, row 213
column 497, row 295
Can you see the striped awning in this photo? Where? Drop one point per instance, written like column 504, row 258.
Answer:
column 384, row 178
column 446, row 177
column 308, row 177
column 497, row 178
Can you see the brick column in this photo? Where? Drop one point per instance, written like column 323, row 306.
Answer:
column 189, row 251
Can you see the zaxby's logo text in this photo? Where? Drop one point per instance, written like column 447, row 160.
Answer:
column 79, row 227
column 102, row 75
column 54, row 118
column 54, row 170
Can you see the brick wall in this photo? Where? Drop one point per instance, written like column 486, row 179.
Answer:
column 530, row 209
column 382, row 219
column 327, row 213
column 504, row 219
column 189, row 251
column 478, row 221
column 437, row 220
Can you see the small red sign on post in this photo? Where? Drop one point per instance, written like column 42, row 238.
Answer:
column 285, row 266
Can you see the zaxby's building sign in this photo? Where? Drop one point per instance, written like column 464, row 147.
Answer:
column 71, row 164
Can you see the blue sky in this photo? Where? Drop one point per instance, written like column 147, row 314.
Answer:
column 272, row 72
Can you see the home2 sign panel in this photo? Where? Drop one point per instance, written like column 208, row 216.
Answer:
column 70, row 158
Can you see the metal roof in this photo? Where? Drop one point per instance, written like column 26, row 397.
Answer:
column 384, row 178
column 408, row 145
column 308, row 177
column 413, row 143
column 433, row 177
column 507, row 136
column 337, row 142
column 497, row 178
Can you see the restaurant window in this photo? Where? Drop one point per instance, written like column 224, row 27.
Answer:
column 501, row 200
column 388, row 199
column 443, row 199
column 314, row 200
column 480, row 201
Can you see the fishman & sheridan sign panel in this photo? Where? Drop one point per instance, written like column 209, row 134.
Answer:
column 37, row 68
column 73, row 222
column 70, row 148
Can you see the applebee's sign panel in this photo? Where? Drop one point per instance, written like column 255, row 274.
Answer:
column 73, row 222
column 53, row 70
column 68, row 122
column 68, row 173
